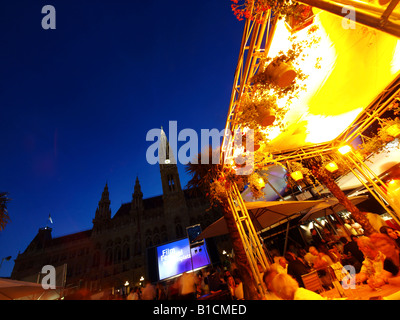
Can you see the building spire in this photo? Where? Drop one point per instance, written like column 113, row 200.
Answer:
column 103, row 211
column 166, row 155
column 105, row 195
column 137, row 189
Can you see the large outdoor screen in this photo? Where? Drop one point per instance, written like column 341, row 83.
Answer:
column 177, row 257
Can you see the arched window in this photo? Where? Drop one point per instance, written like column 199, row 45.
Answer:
column 164, row 235
column 138, row 246
column 96, row 259
column 117, row 255
column 178, row 228
column 126, row 252
column 156, row 239
column 109, row 257
column 179, row 231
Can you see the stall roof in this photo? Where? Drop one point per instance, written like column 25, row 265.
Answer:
column 264, row 214
column 356, row 66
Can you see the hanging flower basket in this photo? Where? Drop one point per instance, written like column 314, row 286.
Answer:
column 266, row 117
column 281, row 73
column 258, row 111
column 301, row 18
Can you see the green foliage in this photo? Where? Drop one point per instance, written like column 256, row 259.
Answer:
column 4, row 217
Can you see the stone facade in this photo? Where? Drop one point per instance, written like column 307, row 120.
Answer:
column 114, row 250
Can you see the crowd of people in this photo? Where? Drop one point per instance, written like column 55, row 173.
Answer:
column 375, row 260
column 193, row 285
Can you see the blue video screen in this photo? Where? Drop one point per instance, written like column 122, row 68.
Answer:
column 177, row 257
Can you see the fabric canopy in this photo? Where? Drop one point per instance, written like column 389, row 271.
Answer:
column 13, row 289
column 356, row 65
column 329, row 206
column 263, row 213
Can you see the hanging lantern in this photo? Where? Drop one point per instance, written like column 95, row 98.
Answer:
column 394, row 130
column 332, row 167
column 345, row 149
column 296, row 175
column 260, row 183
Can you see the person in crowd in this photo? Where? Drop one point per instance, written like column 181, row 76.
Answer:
column 134, row 294
column 230, row 281
column 160, row 292
column 238, row 291
column 287, row 288
column 350, row 229
column 316, row 239
column 187, row 288
column 335, row 254
column 204, row 281
column 280, row 265
column 269, row 275
column 328, row 236
column 301, row 255
column 173, row 289
column 131, row 293
column 294, row 249
column 372, row 266
column 321, row 262
column 149, row 291
column 357, row 227
column 309, row 257
column 391, row 264
column 392, row 233
column 296, row 267
column 215, row 282
column 352, row 255
column 341, row 231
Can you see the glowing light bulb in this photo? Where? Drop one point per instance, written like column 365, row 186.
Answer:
column 345, row 149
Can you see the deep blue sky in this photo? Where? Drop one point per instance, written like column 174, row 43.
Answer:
column 77, row 102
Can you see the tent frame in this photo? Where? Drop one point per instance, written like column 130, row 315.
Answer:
column 254, row 36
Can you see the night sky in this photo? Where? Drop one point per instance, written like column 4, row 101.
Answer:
column 77, row 102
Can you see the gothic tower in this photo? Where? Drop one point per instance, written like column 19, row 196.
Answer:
column 103, row 212
column 137, row 202
column 175, row 207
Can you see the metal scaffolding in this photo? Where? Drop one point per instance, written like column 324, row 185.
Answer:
column 257, row 39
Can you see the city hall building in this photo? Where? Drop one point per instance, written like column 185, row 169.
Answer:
column 114, row 252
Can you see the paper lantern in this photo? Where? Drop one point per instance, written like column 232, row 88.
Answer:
column 393, row 130
column 260, row 183
column 296, row 175
column 331, row 167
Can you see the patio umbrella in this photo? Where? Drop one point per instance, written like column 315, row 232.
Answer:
column 263, row 213
column 14, row 289
column 275, row 185
column 329, row 206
